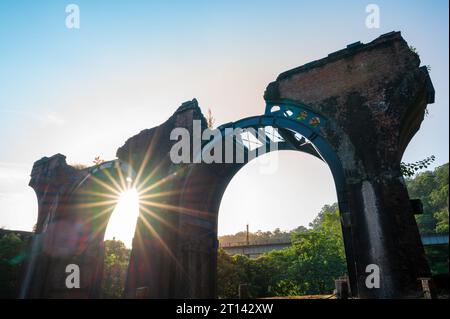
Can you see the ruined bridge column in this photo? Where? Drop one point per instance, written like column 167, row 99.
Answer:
column 374, row 96
column 74, row 205
column 154, row 258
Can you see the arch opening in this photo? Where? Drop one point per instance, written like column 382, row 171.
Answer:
column 122, row 222
column 299, row 183
column 296, row 135
column 293, row 217
column 118, row 243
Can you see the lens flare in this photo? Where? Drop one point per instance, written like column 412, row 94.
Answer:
column 122, row 223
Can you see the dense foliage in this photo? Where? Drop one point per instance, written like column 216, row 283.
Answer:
column 12, row 255
column 431, row 187
column 310, row 266
column 115, row 269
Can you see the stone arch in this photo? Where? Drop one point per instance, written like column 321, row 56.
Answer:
column 374, row 96
column 200, row 231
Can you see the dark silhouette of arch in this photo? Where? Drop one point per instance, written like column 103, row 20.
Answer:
column 74, row 209
column 359, row 107
column 220, row 175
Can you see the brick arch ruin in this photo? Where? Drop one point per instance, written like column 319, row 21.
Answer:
column 359, row 107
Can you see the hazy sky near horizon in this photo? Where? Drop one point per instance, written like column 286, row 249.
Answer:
column 83, row 92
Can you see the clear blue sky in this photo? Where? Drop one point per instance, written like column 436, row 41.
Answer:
column 84, row 92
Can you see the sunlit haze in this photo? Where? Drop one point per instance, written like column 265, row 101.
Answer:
column 285, row 198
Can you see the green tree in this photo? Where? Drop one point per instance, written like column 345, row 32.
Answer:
column 320, row 260
column 326, row 210
column 431, row 187
column 410, row 169
column 441, row 221
column 286, row 287
column 227, row 276
column 439, row 199
column 258, row 237
column 115, row 268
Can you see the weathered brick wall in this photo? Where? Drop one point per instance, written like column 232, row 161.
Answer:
column 368, row 90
